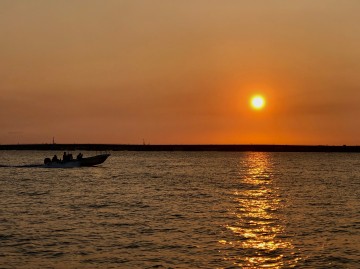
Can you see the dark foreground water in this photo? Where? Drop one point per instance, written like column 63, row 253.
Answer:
column 182, row 210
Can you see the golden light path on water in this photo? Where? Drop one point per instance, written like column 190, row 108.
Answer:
column 260, row 238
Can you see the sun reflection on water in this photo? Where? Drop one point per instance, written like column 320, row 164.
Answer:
column 258, row 236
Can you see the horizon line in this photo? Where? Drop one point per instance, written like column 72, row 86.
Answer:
column 184, row 147
column 185, row 144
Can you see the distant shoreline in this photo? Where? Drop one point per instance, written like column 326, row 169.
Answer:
column 223, row 148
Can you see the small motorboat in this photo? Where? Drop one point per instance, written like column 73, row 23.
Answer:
column 78, row 162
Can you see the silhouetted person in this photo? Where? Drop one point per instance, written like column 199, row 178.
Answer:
column 79, row 156
column 65, row 157
column 55, row 159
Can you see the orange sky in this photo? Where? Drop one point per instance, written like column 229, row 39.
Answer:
column 180, row 72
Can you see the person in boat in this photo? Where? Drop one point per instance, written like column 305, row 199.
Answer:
column 55, row 159
column 65, row 157
column 79, row 156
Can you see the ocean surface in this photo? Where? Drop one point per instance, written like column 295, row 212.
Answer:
column 182, row 210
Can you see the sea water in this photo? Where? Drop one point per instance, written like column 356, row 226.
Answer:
column 182, row 210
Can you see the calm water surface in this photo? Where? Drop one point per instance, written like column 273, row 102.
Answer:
column 182, row 210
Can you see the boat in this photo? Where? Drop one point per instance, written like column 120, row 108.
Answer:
column 79, row 162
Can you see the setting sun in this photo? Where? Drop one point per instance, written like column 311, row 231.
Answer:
column 257, row 102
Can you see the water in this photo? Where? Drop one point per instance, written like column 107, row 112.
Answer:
column 182, row 210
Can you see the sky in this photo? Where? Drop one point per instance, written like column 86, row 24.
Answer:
column 180, row 72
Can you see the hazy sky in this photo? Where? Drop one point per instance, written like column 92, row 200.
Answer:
column 180, row 72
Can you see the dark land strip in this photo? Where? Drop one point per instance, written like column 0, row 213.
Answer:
column 228, row 148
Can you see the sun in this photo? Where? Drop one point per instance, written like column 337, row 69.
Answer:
column 257, row 102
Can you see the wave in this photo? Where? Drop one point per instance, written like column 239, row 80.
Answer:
column 22, row 166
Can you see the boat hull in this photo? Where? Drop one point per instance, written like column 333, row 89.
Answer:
column 95, row 160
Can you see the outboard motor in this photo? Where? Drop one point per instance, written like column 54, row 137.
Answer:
column 47, row 160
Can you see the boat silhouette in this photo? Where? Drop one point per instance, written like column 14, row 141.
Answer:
column 79, row 162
